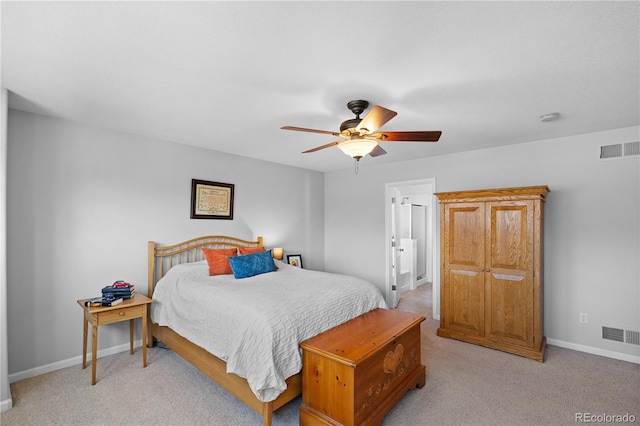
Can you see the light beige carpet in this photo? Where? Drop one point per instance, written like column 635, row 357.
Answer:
column 466, row 385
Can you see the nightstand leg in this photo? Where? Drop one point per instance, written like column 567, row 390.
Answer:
column 131, row 336
column 94, row 352
column 84, row 341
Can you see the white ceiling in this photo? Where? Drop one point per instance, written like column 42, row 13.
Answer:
column 228, row 75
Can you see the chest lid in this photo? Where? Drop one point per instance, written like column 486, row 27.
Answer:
column 355, row 341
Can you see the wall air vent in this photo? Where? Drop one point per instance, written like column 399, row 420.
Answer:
column 620, row 150
column 632, row 337
column 620, row 335
column 615, row 334
column 631, row 148
column 611, row 151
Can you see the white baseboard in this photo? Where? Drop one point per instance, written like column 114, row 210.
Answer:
column 33, row 372
column 423, row 280
column 595, row 351
column 6, row 405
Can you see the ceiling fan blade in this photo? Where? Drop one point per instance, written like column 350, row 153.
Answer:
column 377, row 151
column 375, row 119
column 302, row 129
column 425, row 136
column 318, row 148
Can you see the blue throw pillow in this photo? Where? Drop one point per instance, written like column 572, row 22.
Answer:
column 252, row 264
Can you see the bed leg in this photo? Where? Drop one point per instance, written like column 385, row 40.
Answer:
column 267, row 413
column 151, row 341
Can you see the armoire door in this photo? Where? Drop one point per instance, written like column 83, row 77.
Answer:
column 509, row 272
column 464, row 301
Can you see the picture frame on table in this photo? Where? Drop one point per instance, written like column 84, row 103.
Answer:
column 211, row 200
column 295, row 260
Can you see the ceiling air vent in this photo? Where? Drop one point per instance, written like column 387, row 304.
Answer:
column 620, row 150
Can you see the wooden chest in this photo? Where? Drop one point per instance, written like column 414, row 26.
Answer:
column 354, row 373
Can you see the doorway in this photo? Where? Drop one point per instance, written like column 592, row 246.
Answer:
column 411, row 239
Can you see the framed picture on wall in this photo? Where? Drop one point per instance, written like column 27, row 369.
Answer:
column 295, row 260
column 211, row 200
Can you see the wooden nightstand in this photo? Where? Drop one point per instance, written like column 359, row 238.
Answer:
column 129, row 309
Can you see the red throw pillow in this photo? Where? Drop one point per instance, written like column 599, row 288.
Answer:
column 250, row 250
column 218, row 260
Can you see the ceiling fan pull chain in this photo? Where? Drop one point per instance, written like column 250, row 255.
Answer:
column 357, row 163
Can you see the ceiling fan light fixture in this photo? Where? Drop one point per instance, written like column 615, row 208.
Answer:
column 357, row 147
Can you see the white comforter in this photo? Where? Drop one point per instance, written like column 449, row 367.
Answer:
column 255, row 324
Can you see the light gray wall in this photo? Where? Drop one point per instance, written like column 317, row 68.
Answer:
column 5, row 391
column 592, row 229
column 83, row 202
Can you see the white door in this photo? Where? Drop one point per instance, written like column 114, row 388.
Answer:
column 419, row 233
column 395, row 253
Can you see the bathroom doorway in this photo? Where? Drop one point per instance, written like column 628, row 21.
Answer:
column 412, row 235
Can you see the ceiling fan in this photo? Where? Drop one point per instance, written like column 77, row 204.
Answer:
column 360, row 136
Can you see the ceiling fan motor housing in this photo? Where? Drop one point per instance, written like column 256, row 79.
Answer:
column 356, row 107
column 349, row 124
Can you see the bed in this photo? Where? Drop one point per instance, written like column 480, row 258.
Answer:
column 237, row 331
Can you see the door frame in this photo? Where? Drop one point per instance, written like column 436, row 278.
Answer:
column 391, row 189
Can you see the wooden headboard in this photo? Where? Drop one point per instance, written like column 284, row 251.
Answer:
column 162, row 258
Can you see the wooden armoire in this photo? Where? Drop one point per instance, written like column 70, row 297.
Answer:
column 491, row 249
